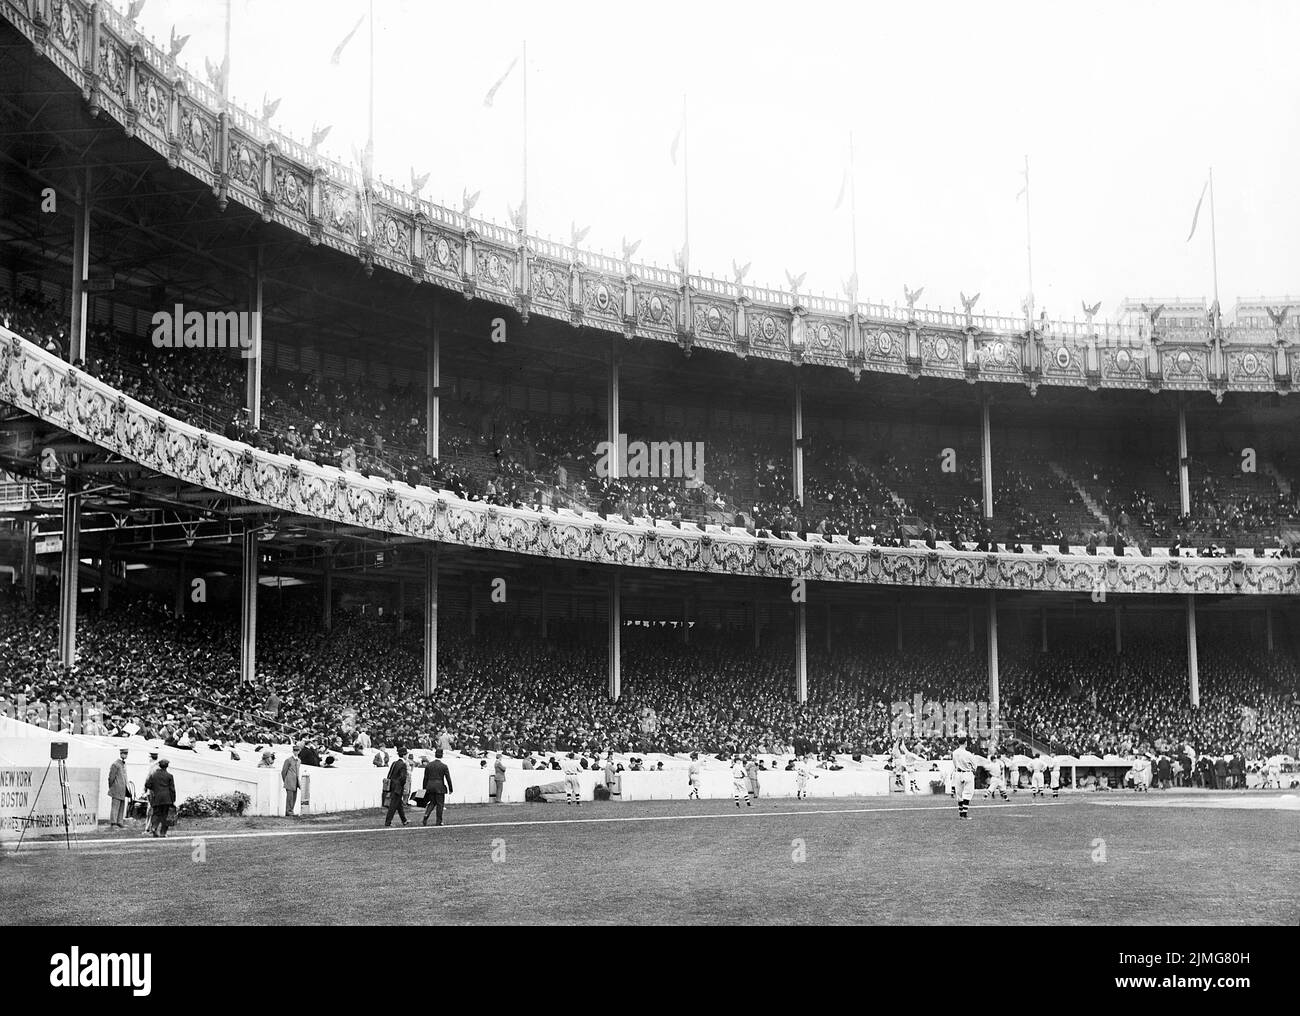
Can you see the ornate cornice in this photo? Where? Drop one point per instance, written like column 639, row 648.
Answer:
column 49, row 388
column 126, row 78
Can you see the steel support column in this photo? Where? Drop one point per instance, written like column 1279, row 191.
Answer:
column 253, row 360
column 29, row 563
column 986, row 457
column 248, row 608
column 612, row 414
column 1193, row 666
column 431, row 620
column 615, row 636
column 80, row 273
column 796, row 440
column 69, row 573
column 994, row 698
column 801, row 652
column 105, row 579
column 433, row 374
column 1184, row 484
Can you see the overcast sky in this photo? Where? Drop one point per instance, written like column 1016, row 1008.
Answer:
column 1121, row 108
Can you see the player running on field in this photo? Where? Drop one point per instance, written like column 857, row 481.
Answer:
column 996, row 785
column 693, row 777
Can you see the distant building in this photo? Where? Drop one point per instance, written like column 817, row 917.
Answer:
column 1254, row 313
column 1178, row 313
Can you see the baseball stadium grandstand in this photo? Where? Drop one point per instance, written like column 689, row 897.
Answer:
column 294, row 460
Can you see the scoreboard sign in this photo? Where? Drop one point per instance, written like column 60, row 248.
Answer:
column 31, row 797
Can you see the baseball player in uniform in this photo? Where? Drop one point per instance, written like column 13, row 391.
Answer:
column 751, row 774
column 801, row 779
column 1013, row 773
column 997, row 785
column 572, row 789
column 963, row 766
column 1036, row 769
column 1056, row 776
column 693, row 777
column 739, row 782
column 1141, row 771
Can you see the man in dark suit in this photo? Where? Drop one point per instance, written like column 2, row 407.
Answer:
column 290, row 776
column 117, row 790
column 399, row 786
column 1237, row 772
column 161, row 788
column 437, row 785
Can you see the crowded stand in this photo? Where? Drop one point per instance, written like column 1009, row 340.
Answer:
column 176, row 681
column 503, row 455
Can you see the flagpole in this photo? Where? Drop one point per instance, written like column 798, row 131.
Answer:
column 370, row 127
column 1029, row 247
column 225, row 77
column 523, row 208
column 853, row 213
column 686, row 194
column 1214, row 243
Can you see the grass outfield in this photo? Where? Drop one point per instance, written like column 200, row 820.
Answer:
column 903, row 860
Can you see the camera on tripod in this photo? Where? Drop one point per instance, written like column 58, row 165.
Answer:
column 58, row 751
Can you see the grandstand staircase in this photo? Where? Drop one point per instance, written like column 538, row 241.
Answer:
column 1088, row 500
column 1009, row 732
